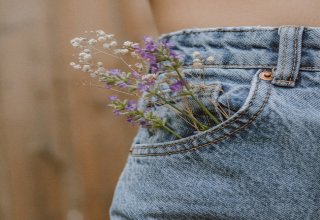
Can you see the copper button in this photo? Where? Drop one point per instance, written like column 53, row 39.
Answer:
column 266, row 75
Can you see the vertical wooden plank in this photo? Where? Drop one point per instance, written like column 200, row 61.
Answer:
column 27, row 113
column 100, row 151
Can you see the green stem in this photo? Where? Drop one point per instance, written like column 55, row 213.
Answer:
column 195, row 99
column 172, row 131
column 173, row 106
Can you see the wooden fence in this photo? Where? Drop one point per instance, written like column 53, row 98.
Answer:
column 61, row 149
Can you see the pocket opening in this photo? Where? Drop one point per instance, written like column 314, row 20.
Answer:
column 251, row 106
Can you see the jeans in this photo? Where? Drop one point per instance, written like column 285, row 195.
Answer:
column 262, row 162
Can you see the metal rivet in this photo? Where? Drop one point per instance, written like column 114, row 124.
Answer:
column 266, row 75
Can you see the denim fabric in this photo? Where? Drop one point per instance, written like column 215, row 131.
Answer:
column 263, row 162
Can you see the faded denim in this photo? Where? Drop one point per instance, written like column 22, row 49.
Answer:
column 261, row 163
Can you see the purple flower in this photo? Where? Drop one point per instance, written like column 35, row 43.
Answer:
column 131, row 105
column 150, row 44
column 177, row 86
column 122, row 85
column 144, row 123
column 113, row 98
column 116, row 112
column 136, row 75
column 116, row 72
column 130, row 119
column 143, row 87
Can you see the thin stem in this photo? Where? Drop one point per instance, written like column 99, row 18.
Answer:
column 172, row 131
column 192, row 118
column 195, row 99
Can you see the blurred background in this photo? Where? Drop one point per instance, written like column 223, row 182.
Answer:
column 61, row 149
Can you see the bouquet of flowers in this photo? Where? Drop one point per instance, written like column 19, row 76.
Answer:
column 156, row 70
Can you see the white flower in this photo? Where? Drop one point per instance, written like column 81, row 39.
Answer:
column 127, row 44
column 113, row 43
column 121, row 51
column 100, row 33
column 197, row 65
column 92, row 41
column 196, row 54
column 76, row 42
column 102, row 39
column 93, row 75
column 99, row 64
column 134, row 45
column 86, row 68
column 109, row 36
column 210, row 59
column 72, row 64
column 84, row 57
column 77, row 67
column 196, row 61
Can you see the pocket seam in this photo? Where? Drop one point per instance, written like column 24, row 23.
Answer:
column 225, row 136
column 218, row 129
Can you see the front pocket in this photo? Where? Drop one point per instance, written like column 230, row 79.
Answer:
column 244, row 92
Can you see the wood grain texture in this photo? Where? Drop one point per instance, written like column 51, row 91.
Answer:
column 61, row 149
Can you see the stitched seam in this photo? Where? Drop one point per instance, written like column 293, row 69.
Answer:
column 249, row 66
column 285, row 36
column 220, row 138
column 284, row 81
column 186, row 32
column 295, row 54
column 232, row 121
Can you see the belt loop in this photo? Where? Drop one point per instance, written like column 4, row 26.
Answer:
column 289, row 56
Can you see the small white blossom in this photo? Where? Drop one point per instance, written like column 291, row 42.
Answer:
column 127, row 44
column 121, row 51
column 113, row 43
column 77, row 67
column 134, row 45
column 72, row 64
column 197, row 65
column 210, row 59
column 100, row 33
column 102, row 39
column 109, row 36
column 76, row 42
column 196, row 54
column 93, row 75
column 85, row 57
column 92, row 41
column 99, row 64
column 86, row 68
column 196, row 61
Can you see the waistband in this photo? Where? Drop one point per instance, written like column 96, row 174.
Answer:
column 284, row 47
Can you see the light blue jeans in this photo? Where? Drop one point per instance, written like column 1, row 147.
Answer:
column 262, row 162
